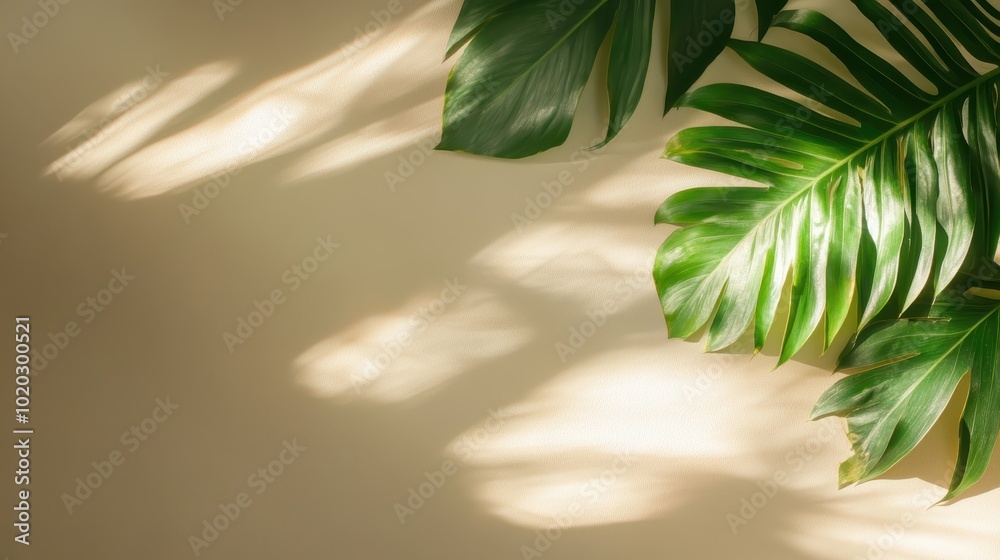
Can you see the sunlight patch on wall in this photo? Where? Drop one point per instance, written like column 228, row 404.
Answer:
column 381, row 138
column 223, row 144
column 288, row 112
column 416, row 349
column 573, row 260
column 607, row 438
column 277, row 117
column 121, row 122
column 645, row 191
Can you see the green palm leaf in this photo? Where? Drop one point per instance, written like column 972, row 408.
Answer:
column 904, row 372
column 879, row 203
column 514, row 91
column 889, row 204
column 884, row 195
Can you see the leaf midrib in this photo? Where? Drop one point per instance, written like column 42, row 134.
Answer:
column 875, row 142
column 927, row 372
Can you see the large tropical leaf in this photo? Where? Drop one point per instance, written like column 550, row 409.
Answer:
column 515, row 90
column 881, row 190
column 904, row 372
column 877, row 203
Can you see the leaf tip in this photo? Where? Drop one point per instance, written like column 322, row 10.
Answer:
column 851, row 472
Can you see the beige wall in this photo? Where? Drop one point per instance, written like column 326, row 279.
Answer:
column 646, row 444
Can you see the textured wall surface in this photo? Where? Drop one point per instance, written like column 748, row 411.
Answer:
column 262, row 290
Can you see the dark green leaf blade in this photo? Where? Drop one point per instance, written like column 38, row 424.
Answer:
column 515, row 89
column 884, row 219
column 968, row 29
column 990, row 9
column 629, row 61
column 955, row 211
column 924, row 221
column 698, row 34
column 936, row 36
column 908, row 44
column 808, row 78
column 766, row 10
column 771, row 113
column 473, row 15
column 902, row 375
column 981, row 419
column 846, row 216
column 809, row 273
column 879, row 76
column 983, row 142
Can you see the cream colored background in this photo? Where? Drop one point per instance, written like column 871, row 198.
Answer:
column 700, row 431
